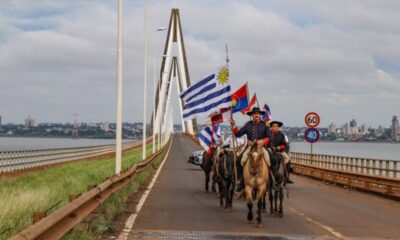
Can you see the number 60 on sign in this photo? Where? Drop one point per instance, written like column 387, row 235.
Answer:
column 312, row 119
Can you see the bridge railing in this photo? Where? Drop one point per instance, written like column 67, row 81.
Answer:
column 378, row 167
column 372, row 175
column 11, row 161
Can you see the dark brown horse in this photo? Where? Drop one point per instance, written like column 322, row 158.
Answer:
column 276, row 185
column 226, row 176
column 207, row 166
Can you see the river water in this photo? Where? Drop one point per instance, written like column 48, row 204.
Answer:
column 22, row 143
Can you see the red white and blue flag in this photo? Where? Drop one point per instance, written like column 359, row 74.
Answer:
column 209, row 137
column 266, row 117
column 252, row 103
column 240, row 99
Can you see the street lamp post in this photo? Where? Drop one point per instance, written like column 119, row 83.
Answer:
column 145, row 83
column 118, row 150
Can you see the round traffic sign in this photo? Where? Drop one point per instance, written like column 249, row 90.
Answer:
column 311, row 135
column 312, row 119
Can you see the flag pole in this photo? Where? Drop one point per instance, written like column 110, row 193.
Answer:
column 227, row 65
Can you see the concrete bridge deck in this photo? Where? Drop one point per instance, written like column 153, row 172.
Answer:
column 179, row 208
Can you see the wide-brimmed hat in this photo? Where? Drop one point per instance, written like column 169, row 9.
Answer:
column 280, row 124
column 254, row 110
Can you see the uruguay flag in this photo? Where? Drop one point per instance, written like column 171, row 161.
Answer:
column 207, row 96
column 209, row 137
column 240, row 99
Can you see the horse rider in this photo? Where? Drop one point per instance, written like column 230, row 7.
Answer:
column 255, row 130
column 279, row 146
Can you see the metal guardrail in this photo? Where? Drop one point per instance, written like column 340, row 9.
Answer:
column 372, row 175
column 386, row 168
column 65, row 218
column 11, row 161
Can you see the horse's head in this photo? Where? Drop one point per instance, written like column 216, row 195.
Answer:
column 227, row 162
column 255, row 156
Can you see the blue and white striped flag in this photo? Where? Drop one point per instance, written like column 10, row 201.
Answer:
column 209, row 137
column 207, row 96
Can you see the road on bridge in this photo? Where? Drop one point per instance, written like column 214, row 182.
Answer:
column 179, row 208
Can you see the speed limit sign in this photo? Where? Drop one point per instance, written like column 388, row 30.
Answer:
column 312, row 119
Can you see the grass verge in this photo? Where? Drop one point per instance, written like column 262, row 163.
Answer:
column 104, row 221
column 38, row 191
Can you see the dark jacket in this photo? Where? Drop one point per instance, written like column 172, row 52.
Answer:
column 278, row 141
column 254, row 131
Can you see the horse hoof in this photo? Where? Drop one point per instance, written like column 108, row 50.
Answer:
column 280, row 215
column 251, row 221
column 258, row 225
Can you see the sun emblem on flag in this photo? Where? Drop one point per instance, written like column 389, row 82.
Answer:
column 223, row 76
column 234, row 102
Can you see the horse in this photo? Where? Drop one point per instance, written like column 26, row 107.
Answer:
column 207, row 166
column 275, row 186
column 256, row 176
column 225, row 171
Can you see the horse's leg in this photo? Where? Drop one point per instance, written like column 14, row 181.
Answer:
column 276, row 192
column 231, row 192
column 271, row 198
column 281, row 202
column 261, row 194
column 213, row 183
column 221, row 194
column 227, row 194
column 264, row 204
column 207, row 179
column 249, row 198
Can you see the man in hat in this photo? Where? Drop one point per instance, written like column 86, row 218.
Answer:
column 256, row 130
column 279, row 146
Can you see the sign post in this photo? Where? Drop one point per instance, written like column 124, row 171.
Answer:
column 312, row 135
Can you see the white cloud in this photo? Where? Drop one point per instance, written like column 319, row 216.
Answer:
column 58, row 58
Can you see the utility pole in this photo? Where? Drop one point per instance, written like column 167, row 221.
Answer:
column 145, row 82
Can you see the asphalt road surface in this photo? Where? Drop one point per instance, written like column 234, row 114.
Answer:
column 179, row 208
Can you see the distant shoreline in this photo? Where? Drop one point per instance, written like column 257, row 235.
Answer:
column 55, row 137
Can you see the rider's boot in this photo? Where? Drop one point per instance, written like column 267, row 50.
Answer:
column 288, row 173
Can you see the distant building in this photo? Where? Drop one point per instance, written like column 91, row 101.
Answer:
column 347, row 130
column 364, row 129
column 0, row 121
column 380, row 130
column 105, row 127
column 353, row 123
column 332, row 128
column 29, row 122
column 395, row 129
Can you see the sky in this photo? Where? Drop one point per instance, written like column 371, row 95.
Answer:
column 338, row 58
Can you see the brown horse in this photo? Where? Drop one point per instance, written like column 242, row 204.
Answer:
column 207, row 166
column 256, row 176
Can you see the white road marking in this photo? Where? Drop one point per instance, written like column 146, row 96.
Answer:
column 131, row 220
column 325, row 227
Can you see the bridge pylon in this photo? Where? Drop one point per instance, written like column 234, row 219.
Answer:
column 174, row 66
